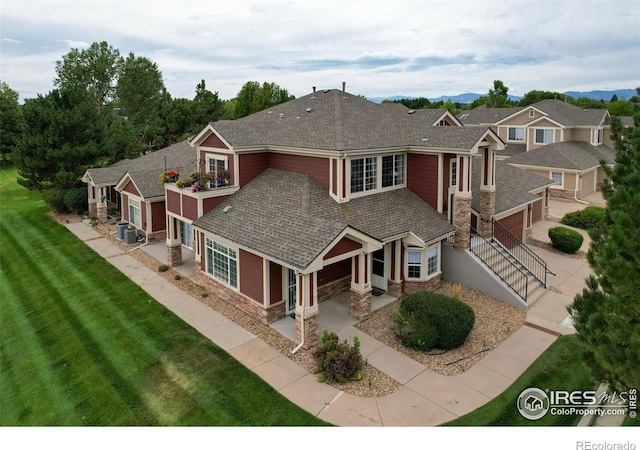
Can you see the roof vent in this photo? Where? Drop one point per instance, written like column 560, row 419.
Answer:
column 281, row 115
column 344, row 85
column 411, row 111
column 227, row 209
column 314, row 93
column 309, row 110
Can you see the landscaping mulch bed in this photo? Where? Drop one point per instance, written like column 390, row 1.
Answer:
column 495, row 322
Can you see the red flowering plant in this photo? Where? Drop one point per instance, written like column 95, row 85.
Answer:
column 169, row 176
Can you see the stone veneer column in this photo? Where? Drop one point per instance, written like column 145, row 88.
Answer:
column 487, row 211
column 360, row 304
column 101, row 212
column 174, row 255
column 462, row 223
column 311, row 336
column 394, row 288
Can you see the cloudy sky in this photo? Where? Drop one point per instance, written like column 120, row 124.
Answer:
column 379, row 48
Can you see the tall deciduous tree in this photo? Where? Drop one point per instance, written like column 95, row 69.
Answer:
column 607, row 312
column 139, row 89
column 94, row 69
column 498, row 95
column 253, row 97
column 10, row 120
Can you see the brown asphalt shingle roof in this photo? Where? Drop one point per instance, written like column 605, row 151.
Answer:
column 333, row 120
column 290, row 217
column 571, row 155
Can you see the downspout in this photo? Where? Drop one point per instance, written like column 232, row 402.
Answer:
column 575, row 192
column 295, row 350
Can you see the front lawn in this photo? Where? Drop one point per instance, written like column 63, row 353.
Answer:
column 81, row 344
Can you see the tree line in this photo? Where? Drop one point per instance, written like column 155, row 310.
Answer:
column 106, row 107
column 498, row 97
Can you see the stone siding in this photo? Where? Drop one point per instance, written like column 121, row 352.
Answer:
column 462, row 223
column 333, row 288
column 416, row 286
column 174, row 256
column 311, row 330
column 360, row 305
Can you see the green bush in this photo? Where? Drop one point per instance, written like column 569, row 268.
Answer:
column 55, row 199
column 565, row 239
column 338, row 361
column 588, row 218
column 76, row 201
column 427, row 320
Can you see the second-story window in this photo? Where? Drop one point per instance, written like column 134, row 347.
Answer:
column 392, row 170
column 364, row 174
column 544, row 136
column 516, row 134
column 217, row 167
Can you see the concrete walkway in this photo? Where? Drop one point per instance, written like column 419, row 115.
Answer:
column 426, row 398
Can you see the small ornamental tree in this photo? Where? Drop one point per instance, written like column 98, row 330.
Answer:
column 606, row 314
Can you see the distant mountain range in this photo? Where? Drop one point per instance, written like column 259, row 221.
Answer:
column 622, row 94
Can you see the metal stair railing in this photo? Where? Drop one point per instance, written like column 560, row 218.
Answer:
column 520, row 251
column 502, row 266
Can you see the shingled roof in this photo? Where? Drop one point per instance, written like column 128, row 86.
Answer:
column 571, row 155
column 289, row 217
column 172, row 157
column 482, row 115
column 336, row 120
column 571, row 115
column 513, row 186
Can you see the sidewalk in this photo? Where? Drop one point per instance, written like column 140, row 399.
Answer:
column 426, row 398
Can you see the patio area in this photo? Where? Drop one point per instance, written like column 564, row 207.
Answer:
column 158, row 250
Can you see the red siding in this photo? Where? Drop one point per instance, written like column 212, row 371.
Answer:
column 143, row 208
column 125, row 208
column 214, row 142
column 514, row 223
column 158, row 222
column 334, row 272
column 209, row 203
column 189, row 207
column 251, row 275
column 275, row 282
column 251, row 166
column 446, row 180
column 173, row 202
column 422, row 177
column 318, row 168
column 130, row 187
column 344, row 246
column 537, row 209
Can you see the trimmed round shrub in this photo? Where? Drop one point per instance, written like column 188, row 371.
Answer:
column 588, row 218
column 427, row 320
column 76, row 200
column 565, row 239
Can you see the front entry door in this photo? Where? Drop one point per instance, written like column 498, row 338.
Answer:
column 379, row 269
column 292, row 290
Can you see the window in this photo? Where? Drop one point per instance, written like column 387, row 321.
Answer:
column 557, row 177
column 596, row 136
column 107, row 193
column 432, row 261
column 392, row 170
column 414, row 264
column 364, row 173
column 544, row 136
column 186, row 234
column 516, row 134
column 135, row 215
column 215, row 166
column 222, row 263
column 532, row 113
column 454, row 172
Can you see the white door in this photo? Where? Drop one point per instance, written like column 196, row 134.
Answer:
column 291, row 286
column 379, row 268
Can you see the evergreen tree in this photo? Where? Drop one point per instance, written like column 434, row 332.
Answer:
column 607, row 312
column 10, row 120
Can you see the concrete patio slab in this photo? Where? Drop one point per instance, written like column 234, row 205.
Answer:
column 254, row 353
column 398, row 366
column 404, row 408
column 280, row 372
column 351, row 411
column 310, row 394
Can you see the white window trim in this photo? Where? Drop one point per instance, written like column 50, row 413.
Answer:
column 378, row 187
column 532, row 113
column 453, row 178
column 207, row 262
column 553, row 135
column 424, row 262
column 210, row 158
column 516, row 140
column 557, row 186
column 134, row 203
column 597, row 136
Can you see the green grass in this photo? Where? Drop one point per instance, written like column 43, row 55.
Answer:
column 559, row 368
column 81, row 344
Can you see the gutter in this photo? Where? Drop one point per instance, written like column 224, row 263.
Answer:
column 575, row 192
column 295, row 350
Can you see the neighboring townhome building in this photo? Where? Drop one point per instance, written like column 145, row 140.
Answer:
column 331, row 193
column 574, row 140
column 132, row 187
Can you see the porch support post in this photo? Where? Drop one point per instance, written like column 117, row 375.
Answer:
column 361, row 286
column 173, row 242
column 487, row 193
column 307, row 324
column 91, row 194
column 394, row 287
column 462, row 198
